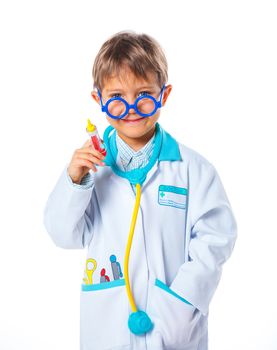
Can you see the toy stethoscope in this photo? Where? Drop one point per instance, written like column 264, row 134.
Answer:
column 139, row 322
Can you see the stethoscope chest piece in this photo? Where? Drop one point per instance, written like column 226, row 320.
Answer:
column 139, row 323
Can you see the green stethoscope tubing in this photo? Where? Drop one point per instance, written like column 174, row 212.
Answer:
column 139, row 322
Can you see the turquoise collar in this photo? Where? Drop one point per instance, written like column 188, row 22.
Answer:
column 165, row 149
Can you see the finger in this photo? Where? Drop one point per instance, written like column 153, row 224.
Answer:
column 88, row 164
column 87, row 143
column 91, row 158
column 81, row 162
column 92, row 151
column 94, row 169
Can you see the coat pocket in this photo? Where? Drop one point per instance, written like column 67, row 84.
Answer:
column 104, row 316
column 176, row 320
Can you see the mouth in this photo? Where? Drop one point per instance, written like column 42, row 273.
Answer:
column 132, row 121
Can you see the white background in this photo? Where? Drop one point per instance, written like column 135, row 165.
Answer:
column 222, row 58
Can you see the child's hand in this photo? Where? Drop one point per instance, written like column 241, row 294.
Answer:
column 83, row 160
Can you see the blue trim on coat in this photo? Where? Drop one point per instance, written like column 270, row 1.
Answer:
column 163, row 286
column 170, row 148
column 104, row 285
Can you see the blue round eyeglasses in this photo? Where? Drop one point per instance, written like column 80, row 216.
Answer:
column 118, row 108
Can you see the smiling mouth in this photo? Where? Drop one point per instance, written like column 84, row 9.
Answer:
column 132, row 120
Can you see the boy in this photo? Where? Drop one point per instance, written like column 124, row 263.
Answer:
column 185, row 228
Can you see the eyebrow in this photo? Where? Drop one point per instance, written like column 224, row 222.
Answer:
column 148, row 87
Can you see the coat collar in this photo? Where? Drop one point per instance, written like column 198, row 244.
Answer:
column 166, row 149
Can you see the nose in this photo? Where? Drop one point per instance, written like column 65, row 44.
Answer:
column 131, row 100
column 132, row 110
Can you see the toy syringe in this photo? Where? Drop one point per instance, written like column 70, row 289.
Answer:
column 95, row 138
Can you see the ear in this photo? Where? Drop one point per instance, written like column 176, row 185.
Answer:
column 166, row 93
column 95, row 96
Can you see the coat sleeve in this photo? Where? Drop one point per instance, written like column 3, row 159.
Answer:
column 211, row 237
column 68, row 214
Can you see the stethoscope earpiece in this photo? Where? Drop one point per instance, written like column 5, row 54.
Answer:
column 140, row 323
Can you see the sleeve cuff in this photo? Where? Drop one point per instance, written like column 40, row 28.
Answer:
column 87, row 181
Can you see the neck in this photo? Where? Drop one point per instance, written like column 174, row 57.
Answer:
column 137, row 143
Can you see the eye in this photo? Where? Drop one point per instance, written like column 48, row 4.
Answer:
column 117, row 94
column 144, row 93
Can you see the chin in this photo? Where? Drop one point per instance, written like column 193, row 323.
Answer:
column 135, row 134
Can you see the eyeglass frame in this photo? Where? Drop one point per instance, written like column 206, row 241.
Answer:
column 158, row 104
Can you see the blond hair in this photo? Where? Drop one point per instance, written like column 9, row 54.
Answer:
column 140, row 53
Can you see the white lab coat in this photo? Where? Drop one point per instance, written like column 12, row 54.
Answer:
column 185, row 231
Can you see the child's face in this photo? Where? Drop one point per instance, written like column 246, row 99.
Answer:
column 135, row 130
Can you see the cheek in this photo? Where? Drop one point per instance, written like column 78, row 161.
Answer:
column 117, row 124
column 154, row 117
column 112, row 121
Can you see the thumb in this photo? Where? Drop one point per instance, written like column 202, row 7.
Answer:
column 87, row 143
